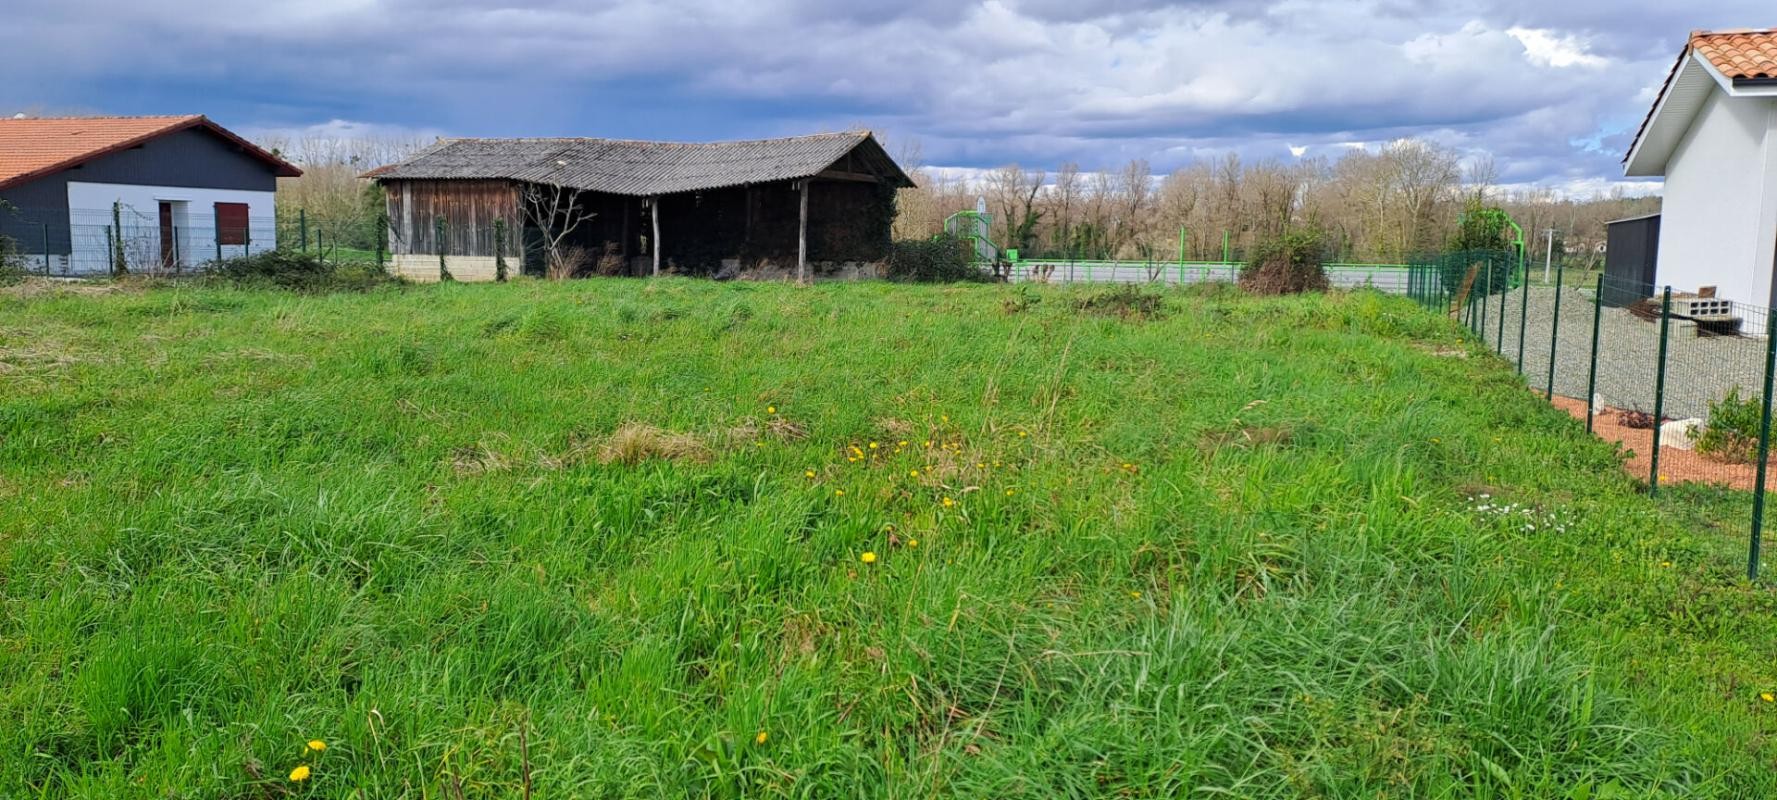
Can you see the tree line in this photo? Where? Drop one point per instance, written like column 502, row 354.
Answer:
column 1383, row 205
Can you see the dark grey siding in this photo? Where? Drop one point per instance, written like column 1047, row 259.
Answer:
column 191, row 158
column 1632, row 247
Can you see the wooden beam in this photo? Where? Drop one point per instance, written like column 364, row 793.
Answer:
column 841, row 175
column 654, row 214
column 802, row 238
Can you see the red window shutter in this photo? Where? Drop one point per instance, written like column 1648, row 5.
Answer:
column 231, row 223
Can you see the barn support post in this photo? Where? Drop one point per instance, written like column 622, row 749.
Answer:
column 302, row 219
column 382, row 236
column 1764, row 452
column 654, row 245
column 1653, row 468
column 1592, row 375
column 802, row 237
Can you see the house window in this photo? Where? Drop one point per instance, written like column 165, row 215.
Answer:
column 231, row 223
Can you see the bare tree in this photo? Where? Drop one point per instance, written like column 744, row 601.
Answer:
column 1014, row 191
column 555, row 212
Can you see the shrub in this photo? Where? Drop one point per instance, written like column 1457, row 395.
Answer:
column 1290, row 263
column 1732, row 433
column 301, row 272
column 941, row 259
column 12, row 268
column 1128, row 301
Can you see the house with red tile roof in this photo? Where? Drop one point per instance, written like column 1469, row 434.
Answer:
column 87, row 195
column 1712, row 134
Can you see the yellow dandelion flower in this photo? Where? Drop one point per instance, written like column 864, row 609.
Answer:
column 868, row 557
column 913, row 473
column 771, row 409
column 943, row 418
column 1666, row 564
column 980, row 465
column 928, row 443
column 996, row 463
column 808, row 473
column 1010, row 492
column 889, row 527
column 1767, row 697
column 912, row 542
column 902, row 443
column 1135, row 594
column 949, row 502
column 1022, row 434
column 317, row 745
column 838, row 492
column 301, row 773
column 872, row 445
column 760, row 739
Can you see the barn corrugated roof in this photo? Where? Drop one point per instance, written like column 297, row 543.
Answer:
column 629, row 167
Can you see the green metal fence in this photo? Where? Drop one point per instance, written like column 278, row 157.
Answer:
column 1681, row 380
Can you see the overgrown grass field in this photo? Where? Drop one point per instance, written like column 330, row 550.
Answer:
column 643, row 539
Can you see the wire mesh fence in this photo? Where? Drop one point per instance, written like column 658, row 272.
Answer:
column 1681, row 380
column 172, row 240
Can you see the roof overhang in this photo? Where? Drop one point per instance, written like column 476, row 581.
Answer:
column 279, row 167
column 1693, row 80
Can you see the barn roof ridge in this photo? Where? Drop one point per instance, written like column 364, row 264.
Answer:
column 632, row 166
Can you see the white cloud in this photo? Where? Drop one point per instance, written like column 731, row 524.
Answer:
column 1546, row 48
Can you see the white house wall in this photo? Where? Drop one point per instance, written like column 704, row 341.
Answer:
column 1719, row 218
column 194, row 220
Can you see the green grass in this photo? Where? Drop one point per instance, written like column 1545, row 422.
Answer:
column 1236, row 550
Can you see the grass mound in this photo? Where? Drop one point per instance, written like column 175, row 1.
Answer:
column 871, row 541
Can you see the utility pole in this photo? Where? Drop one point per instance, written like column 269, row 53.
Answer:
column 1550, row 257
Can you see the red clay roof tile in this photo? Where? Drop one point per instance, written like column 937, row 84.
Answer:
column 33, row 147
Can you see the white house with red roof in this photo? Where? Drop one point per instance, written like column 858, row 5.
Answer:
column 161, row 193
column 1712, row 134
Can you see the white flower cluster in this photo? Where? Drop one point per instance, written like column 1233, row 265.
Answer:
column 1529, row 518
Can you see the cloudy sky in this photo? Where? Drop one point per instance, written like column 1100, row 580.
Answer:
column 1553, row 89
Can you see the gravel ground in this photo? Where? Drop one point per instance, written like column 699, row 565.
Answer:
column 1698, row 369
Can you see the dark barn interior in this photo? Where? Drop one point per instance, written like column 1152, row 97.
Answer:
column 632, row 208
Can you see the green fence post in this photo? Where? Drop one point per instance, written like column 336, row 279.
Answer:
column 438, row 241
column 500, row 250
column 1764, row 451
column 1227, row 255
column 302, row 218
column 1592, row 374
column 46, row 249
column 1554, row 331
column 1485, row 294
column 1505, row 293
column 1181, row 255
column 1653, row 469
column 110, row 252
column 1524, row 312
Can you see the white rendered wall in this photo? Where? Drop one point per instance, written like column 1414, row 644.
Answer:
column 194, row 218
column 1718, row 224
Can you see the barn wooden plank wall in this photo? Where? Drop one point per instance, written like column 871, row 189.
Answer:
column 469, row 208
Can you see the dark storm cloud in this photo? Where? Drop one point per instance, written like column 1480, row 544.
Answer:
column 1551, row 89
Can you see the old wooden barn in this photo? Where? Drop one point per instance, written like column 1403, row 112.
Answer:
column 792, row 206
